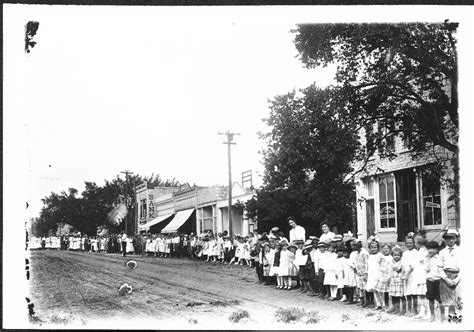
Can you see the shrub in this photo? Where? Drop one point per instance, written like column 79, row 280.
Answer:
column 289, row 315
column 314, row 317
column 237, row 316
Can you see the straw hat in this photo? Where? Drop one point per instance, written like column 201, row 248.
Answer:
column 131, row 265
column 451, row 233
column 292, row 245
column 125, row 289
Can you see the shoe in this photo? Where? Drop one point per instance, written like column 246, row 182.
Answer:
column 391, row 310
column 410, row 314
column 288, row 288
column 304, row 291
column 419, row 316
column 401, row 313
column 379, row 308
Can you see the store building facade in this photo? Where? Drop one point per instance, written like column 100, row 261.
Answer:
column 394, row 197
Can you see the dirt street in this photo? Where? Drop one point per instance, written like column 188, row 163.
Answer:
column 76, row 288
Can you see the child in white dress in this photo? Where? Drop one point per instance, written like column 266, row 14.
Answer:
column 349, row 277
column 330, row 278
column 419, row 275
column 409, row 260
column 372, row 273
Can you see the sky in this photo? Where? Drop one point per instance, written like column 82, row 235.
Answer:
column 147, row 89
column 108, row 91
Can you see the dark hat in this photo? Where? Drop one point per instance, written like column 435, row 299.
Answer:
column 298, row 241
column 432, row 245
column 348, row 250
column 322, row 244
column 275, row 229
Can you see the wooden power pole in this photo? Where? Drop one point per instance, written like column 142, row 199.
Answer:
column 127, row 173
column 230, row 138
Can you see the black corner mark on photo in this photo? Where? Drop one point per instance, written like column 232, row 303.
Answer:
column 30, row 31
column 27, row 205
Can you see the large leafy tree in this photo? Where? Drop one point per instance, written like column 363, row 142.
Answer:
column 90, row 209
column 401, row 76
column 308, row 157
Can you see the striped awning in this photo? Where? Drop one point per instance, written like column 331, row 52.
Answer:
column 157, row 220
column 179, row 219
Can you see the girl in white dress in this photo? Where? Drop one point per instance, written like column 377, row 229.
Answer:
column 246, row 252
column 330, row 278
column 95, row 248
column 167, row 246
column 77, row 243
column 349, row 278
column 283, row 270
column 419, row 275
column 373, row 272
column 409, row 260
column 71, row 243
column 340, row 273
column 130, row 248
column 210, row 250
column 239, row 252
column 270, row 256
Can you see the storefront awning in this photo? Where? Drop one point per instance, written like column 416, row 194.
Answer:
column 157, row 220
column 179, row 219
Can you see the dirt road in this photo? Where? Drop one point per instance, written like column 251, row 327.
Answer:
column 82, row 288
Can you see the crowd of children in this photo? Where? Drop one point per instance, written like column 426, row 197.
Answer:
column 410, row 282
column 383, row 278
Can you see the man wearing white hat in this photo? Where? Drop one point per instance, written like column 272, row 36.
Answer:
column 449, row 256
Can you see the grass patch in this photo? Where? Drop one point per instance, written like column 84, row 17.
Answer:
column 192, row 321
column 239, row 315
column 314, row 317
column 289, row 315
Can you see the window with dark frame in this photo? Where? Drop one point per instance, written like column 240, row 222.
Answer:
column 431, row 202
column 387, row 202
column 143, row 209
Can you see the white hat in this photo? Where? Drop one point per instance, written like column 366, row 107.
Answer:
column 450, row 233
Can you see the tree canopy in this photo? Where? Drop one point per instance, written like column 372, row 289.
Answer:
column 399, row 77
column 90, row 209
column 310, row 148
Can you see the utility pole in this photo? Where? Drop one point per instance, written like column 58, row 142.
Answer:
column 127, row 173
column 230, row 138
